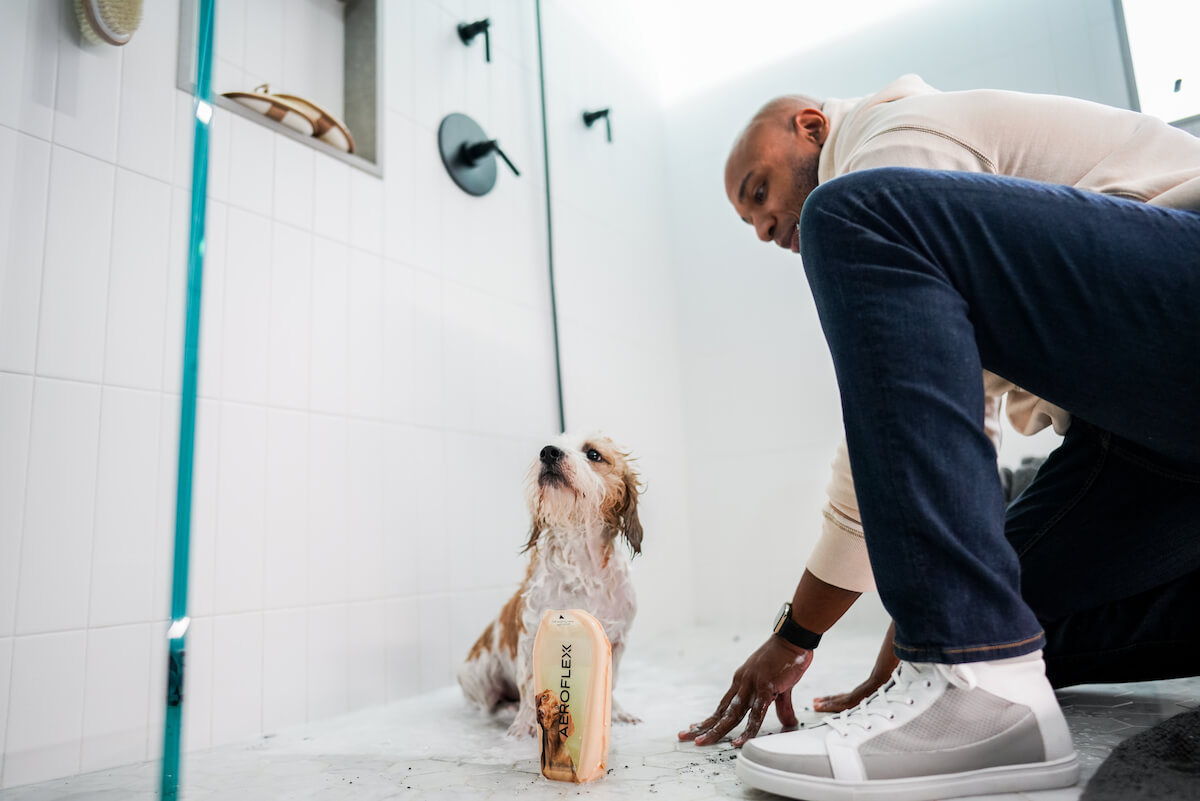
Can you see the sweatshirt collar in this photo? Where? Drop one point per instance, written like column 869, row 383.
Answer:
column 844, row 113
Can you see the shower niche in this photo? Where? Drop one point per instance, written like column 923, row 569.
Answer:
column 307, row 69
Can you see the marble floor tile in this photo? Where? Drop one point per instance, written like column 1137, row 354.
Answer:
column 434, row 747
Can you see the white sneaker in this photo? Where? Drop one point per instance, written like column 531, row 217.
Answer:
column 933, row 731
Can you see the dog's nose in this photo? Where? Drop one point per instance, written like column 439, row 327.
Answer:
column 551, row 454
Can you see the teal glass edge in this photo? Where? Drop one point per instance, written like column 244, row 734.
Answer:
column 177, row 633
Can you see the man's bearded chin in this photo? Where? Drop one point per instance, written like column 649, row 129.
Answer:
column 804, row 175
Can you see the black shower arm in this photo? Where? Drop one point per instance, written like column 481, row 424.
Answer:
column 467, row 31
column 473, row 153
column 590, row 117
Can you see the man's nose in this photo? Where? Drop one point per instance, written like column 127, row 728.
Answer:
column 765, row 229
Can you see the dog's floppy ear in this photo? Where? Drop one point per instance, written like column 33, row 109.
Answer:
column 535, row 528
column 630, row 525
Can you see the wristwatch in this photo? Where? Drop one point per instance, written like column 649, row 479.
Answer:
column 793, row 632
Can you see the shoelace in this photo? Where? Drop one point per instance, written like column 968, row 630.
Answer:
column 898, row 691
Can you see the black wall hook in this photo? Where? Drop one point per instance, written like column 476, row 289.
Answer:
column 467, row 31
column 590, row 117
column 467, row 154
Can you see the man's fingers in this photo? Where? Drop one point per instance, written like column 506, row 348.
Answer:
column 785, row 711
column 697, row 728
column 826, row 703
column 758, row 713
column 733, row 717
column 834, row 703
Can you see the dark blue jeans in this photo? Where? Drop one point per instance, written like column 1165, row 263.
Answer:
column 923, row 279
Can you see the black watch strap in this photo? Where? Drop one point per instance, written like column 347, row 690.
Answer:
column 793, row 632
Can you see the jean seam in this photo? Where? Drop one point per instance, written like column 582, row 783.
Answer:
column 1069, row 506
column 991, row 647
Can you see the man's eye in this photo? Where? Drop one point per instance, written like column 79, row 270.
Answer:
column 760, row 194
column 594, row 455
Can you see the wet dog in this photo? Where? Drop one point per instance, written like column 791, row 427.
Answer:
column 582, row 494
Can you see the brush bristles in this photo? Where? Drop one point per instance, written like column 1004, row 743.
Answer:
column 108, row 21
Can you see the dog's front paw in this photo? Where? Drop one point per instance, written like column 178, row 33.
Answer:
column 619, row 715
column 521, row 728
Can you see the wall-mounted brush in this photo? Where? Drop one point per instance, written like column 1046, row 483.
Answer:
column 108, row 21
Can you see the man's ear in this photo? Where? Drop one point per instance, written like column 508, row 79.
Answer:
column 811, row 123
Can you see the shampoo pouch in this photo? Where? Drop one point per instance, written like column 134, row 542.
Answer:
column 572, row 676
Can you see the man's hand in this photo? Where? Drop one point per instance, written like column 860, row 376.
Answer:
column 767, row 676
column 885, row 663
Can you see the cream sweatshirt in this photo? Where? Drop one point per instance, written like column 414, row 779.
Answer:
column 1058, row 140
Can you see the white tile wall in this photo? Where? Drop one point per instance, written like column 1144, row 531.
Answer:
column 285, row 545
column 293, row 194
column 241, row 509
column 116, row 707
column 87, row 95
column 201, row 689
column 29, row 43
column 403, row 647
column 366, row 487
column 133, row 340
column 329, row 326
column 328, row 661
column 245, row 341
column 251, row 165
column 16, row 409
column 433, row 620
column 365, row 335
column 368, row 641
column 285, row 669
column 147, row 118
column 122, row 571
column 46, row 702
column 60, row 492
column 25, row 168
column 75, row 271
column 290, row 308
column 328, row 578
column 237, row 678
column 6, row 647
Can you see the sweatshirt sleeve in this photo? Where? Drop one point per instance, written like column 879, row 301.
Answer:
column 840, row 555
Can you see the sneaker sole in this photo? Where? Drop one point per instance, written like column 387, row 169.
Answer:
column 1006, row 779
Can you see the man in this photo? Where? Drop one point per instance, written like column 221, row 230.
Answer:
column 1066, row 272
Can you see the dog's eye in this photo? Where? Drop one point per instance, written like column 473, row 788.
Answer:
column 594, row 455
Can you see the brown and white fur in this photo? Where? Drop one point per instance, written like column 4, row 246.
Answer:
column 582, row 494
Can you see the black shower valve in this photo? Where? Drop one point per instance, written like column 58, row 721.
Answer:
column 589, row 117
column 467, row 31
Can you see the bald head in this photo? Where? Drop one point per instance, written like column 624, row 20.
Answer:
column 781, row 109
column 776, row 113
column 772, row 166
